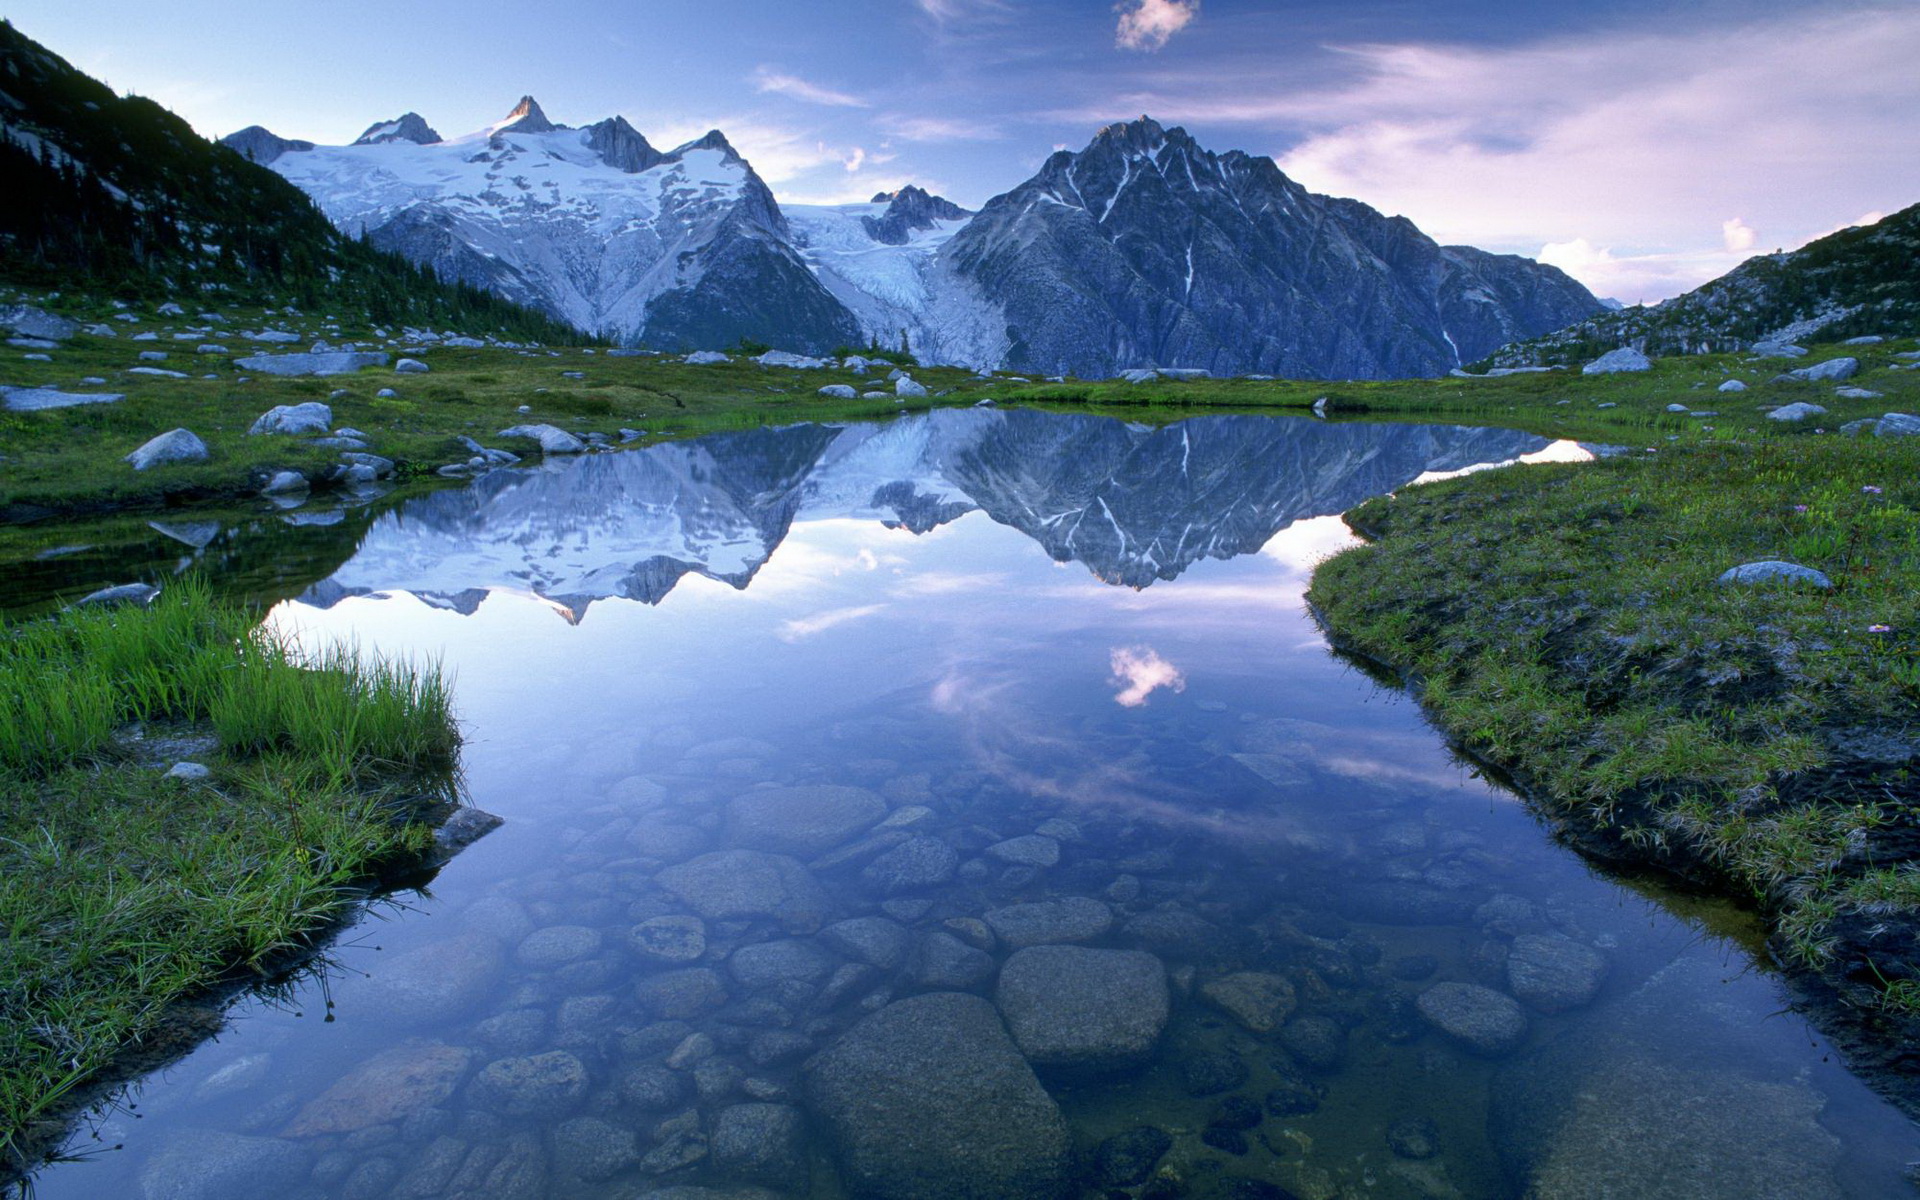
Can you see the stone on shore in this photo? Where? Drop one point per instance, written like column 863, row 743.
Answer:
column 296, row 419
column 174, row 446
column 1833, row 370
column 552, row 439
column 1798, row 411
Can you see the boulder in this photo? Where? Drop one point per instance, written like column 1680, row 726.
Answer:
column 325, row 362
column 1551, row 973
column 411, row 366
column 556, row 946
column 1070, row 1006
column 204, row 1165
column 1487, row 1022
column 1626, row 358
column 942, row 960
column 540, row 1085
column 905, row 387
column 1732, row 385
column 669, row 939
column 24, row 320
column 21, row 399
column 1774, row 571
column 1834, row 370
column 1139, row 375
column 732, row 885
column 282, row 483
column 1128, row 1158
column 875, row 941
column 839, row 391
column 1030, row 850
column 1260, row 1001
column 141, row 594
column 174, row 446
column 772, row 964
column 441, row 981
column 1856, row 393
column 391, row 1086
column 591, row 1149
column 1047, row 922
column 781, row 358
column 761, row 1143
column 919, row 862
column 552, row 439
column 311, row 417
column 1897, row 425
column 928, row 1099
column 1799, row 411
column 701, row 358
column 804, row 821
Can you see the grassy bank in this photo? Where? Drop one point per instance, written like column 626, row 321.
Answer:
column 124, row 891
column 1565, row 624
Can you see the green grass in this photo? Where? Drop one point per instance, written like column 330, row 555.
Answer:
column 1565, row 623
column 122, row 892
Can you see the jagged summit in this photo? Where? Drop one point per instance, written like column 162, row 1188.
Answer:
column 262, row 145
column 408, row 127
column 712, row 139
column 909, row 210
column 527, row 117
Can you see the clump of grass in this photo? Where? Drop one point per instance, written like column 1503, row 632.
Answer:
column 123, row 892
column 1566, row 623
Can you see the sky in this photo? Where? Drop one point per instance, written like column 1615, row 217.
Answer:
column 1645, row 146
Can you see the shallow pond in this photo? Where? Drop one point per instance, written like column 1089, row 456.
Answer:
column 967, row 805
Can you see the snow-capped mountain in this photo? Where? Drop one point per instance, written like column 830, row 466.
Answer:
column 1134, row 504
column 685, row 248
column 1143, row 249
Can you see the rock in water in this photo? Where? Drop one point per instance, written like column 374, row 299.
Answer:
column 1486, row 1022
column 1624, row 359
column 803, row 820
column 928, row 1099
column 731, row 885
column 1069, row 1006
column 1045, row 922
column 1552, row 973
column 1257, row 1000
column 390, row 1086
column 199, row 1165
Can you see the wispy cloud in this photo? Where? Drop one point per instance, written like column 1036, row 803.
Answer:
column 1149, row 24
column 949, row 12
column 780, row 83
column 803, row 627
column 938, row 129
column 1139, row 671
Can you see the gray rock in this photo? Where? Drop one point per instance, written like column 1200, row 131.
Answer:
column 1414, row 1137
column 1856, row 393
column 875, row 941
column 326, row 362
column 1551, row 973
column 731, row 885
column 542, row 1085
column 174, row 446
column 311, row 417
column 653, row 1088
column 669, row 939
column 1798, row 411
column 942, row 960
column 1778, row 349
column 156, row 372
column 1732, row 385
column 556, row 946
column 205, row 1165
column 1487, row 1022
column 1046, row 922
column 919, row 862
column 552, row 439
column 700, row 358
column 30, row 322
column 679, row 995
column 1834, row 370
column 761, row 1143
column 281, row 483
column 1315, row 1041
column 1128, row 1158
column 1624, row 359
column 189, row 772
column 782, row 358
column 928, row 1099
column 1031, row 850
column 1677, row 408
column 1774, row 571
column 18, row 399
column 439, row 982
column 591, row 1149
column 140, row 594
column 1897, row 425
column 411, row 366
column 905, row 387
column 1259, row 1000
column 770, row 964
column 382, row 468
column 803, row 821
column 838, row 391
column 153, row 356
column 210, row 348
column 1070, row 1006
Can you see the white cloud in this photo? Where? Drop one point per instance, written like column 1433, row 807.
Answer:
column 1139, row 671
column 938, row 129
column 779, row 83
column 1148, row 24
column 803, row 627
column 948, row 12
column 1738, row 235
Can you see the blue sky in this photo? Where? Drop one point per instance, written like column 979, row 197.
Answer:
column 1645, row 145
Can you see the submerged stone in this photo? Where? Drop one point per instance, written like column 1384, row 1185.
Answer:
column 1070, row 1006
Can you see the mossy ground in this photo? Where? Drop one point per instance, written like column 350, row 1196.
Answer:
column 1565, row 623
column 123, row 892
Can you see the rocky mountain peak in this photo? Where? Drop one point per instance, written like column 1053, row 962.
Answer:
column 1143, row 136
column 621, row 146
column 408, row 127
column 527, row 117
column 909, row 209
column 712, row 139
column 261, row 144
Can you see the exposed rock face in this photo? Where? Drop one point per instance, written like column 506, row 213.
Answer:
column 1145, row 249
column 263, row 145
column 909, row 209
column 408, row 127
column 928, row 1099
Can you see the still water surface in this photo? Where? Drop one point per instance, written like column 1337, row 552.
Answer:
column 799, row 733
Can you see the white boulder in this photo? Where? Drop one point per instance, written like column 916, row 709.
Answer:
column 297, row 419
column 174, row 446
column 1626, row 358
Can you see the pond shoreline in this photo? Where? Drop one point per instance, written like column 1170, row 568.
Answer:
column 1853, row 983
